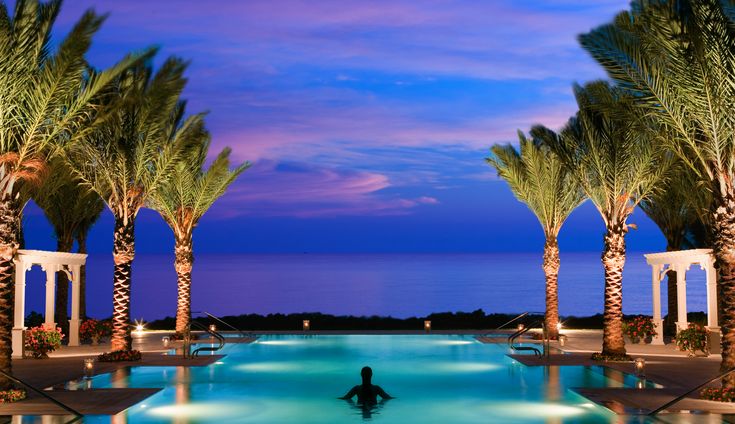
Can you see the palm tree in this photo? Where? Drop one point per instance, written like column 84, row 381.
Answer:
column 606, row 149
column 47, row 97
column 677, row 211
column 129, row 157
column 678, row 60
column 187, row 194
column 69, row 206
column 540, row 180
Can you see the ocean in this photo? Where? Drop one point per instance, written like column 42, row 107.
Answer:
column 399, row 285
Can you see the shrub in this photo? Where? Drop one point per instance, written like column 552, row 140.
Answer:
column 719, row 394
column 92, row 329
column 120, row 356
column 692, row 339
column 40, row 341
column 12, row 395
column 598, row 356
column 639, row 328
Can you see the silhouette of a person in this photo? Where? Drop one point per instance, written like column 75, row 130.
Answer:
column 367, row 393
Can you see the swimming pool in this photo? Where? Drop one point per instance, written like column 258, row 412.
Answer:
column 297, row 379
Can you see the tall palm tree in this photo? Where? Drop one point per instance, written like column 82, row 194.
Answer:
column 69, row 206
column 606, row 149
column 47, row 97
column 129, row 157
column 540, row 180
column 678, row 60
column 677, row 210
column 187, row 194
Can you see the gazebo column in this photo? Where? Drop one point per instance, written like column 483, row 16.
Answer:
column 657, row 321
column 712, row 322
column 75, row 293
column 49, row 323
column 681, row 297
column 19, row 312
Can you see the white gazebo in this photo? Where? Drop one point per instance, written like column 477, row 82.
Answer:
column 680, row 261
column 51, row 262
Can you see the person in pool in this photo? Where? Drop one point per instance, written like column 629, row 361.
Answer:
column 367, row 393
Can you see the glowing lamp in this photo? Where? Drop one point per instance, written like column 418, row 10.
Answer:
column 521, row 327
column 212, row 328
column 88, row 368
column 166, row 341
column 558, row 326
column 640, row 383
column 640, row 367
column 427, row 325
column 306, row 325
column 562, row 340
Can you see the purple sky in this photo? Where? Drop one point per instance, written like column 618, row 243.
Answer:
column 367, row 121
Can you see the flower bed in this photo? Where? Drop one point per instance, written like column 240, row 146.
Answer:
column 719, row 394
column 12, row 395
column 598, row 356
column 93, row 330
column 692, row 339
column 639, row 329
column 40, row 341
column 120, row 356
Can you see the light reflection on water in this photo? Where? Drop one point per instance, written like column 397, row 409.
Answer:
column 435, row 379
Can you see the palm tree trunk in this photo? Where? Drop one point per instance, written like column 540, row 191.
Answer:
column 551, row 270
column 183, row 264
column 82, row 248
column 673, row 312
column 613, row 260
column 123, row 251
column 724, row 252
column 10, row 215
column 672, row 316
column 64, row 243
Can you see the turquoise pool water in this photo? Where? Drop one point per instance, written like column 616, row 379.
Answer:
column 297, row 379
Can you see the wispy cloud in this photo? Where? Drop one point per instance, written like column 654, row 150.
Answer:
column 288, row 189
column 361, row 86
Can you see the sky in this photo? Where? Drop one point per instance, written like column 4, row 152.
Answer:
column 367, row 122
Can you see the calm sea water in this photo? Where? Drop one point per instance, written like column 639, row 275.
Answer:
column 400, row 285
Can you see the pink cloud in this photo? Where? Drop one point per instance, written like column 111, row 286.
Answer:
column 270, row 189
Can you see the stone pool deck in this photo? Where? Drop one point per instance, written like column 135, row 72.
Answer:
column 65, row 365
column 665, row 365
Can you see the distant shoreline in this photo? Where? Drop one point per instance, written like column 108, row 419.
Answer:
column 477, row 320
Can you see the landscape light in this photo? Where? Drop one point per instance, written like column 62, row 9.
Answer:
column 640, row 367
column 139, row 326
column 212, row 328
column 558, row 326
column 306, row 325
column 88, row 368
column 427, row 326
column 521, row 327
column 166, row 341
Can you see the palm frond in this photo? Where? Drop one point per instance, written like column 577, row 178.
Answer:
column 539, row 179
column 612, row 153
